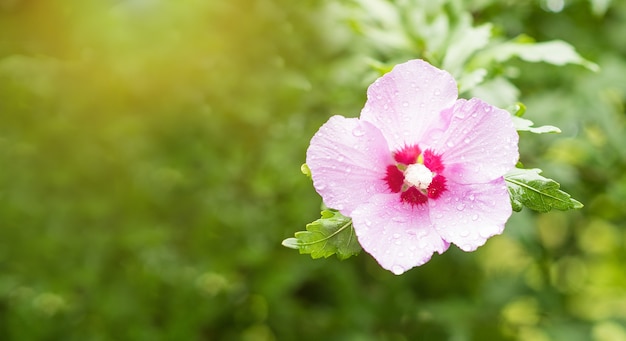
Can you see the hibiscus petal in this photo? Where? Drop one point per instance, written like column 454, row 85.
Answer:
column 348, row 159
column 399, row 236
column 480, row 144
column 407, row 101
column 467, row 215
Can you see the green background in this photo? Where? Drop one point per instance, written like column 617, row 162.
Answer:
column 150, row 158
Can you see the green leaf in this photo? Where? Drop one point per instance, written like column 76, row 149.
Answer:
column 465, row 41
column 332, row 234
column 556, row 52
column 522, row 124
column 518, row 109
column 306, row 170
column 528, row 188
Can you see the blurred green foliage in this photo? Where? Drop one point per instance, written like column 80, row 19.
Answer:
column 149, row 169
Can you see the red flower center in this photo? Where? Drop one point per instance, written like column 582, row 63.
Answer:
column 410, row 175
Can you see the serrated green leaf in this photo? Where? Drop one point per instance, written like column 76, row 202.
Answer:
column 528, row 188
column 522, row 124
column 332, row 234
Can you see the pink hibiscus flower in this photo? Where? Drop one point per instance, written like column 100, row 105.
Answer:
column 419, row 169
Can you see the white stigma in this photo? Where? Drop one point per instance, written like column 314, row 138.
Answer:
column 418, row 175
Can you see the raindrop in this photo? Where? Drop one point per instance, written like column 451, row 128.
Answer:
column 398, row 242
column 368, row 222
column 475, row 217
column 340, row 158
column 405, row 104
column 471, row 197
column 460, row 206
column 487, row 108
column 397, row 269
column 459, row 114
column 484, row 233
column 467, row 140
column 450, row 144
column 396, row 235
column 437, row 92
column 358, row 131
column 386, row 106
column 464, row 233
column 399, row 219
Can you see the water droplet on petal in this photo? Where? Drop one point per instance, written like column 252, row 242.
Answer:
column 467, row 140
column 450, row 144
column 358, row 131
column 437, row 92
column 484, row 233
column 397, row 269
column 464, row 233
column 471, row 197
column 460, row 206
column 396, row 235
column 475, row 217
column 399, row 219
column 487, row 108
column 368, row 222
column 459, row 114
